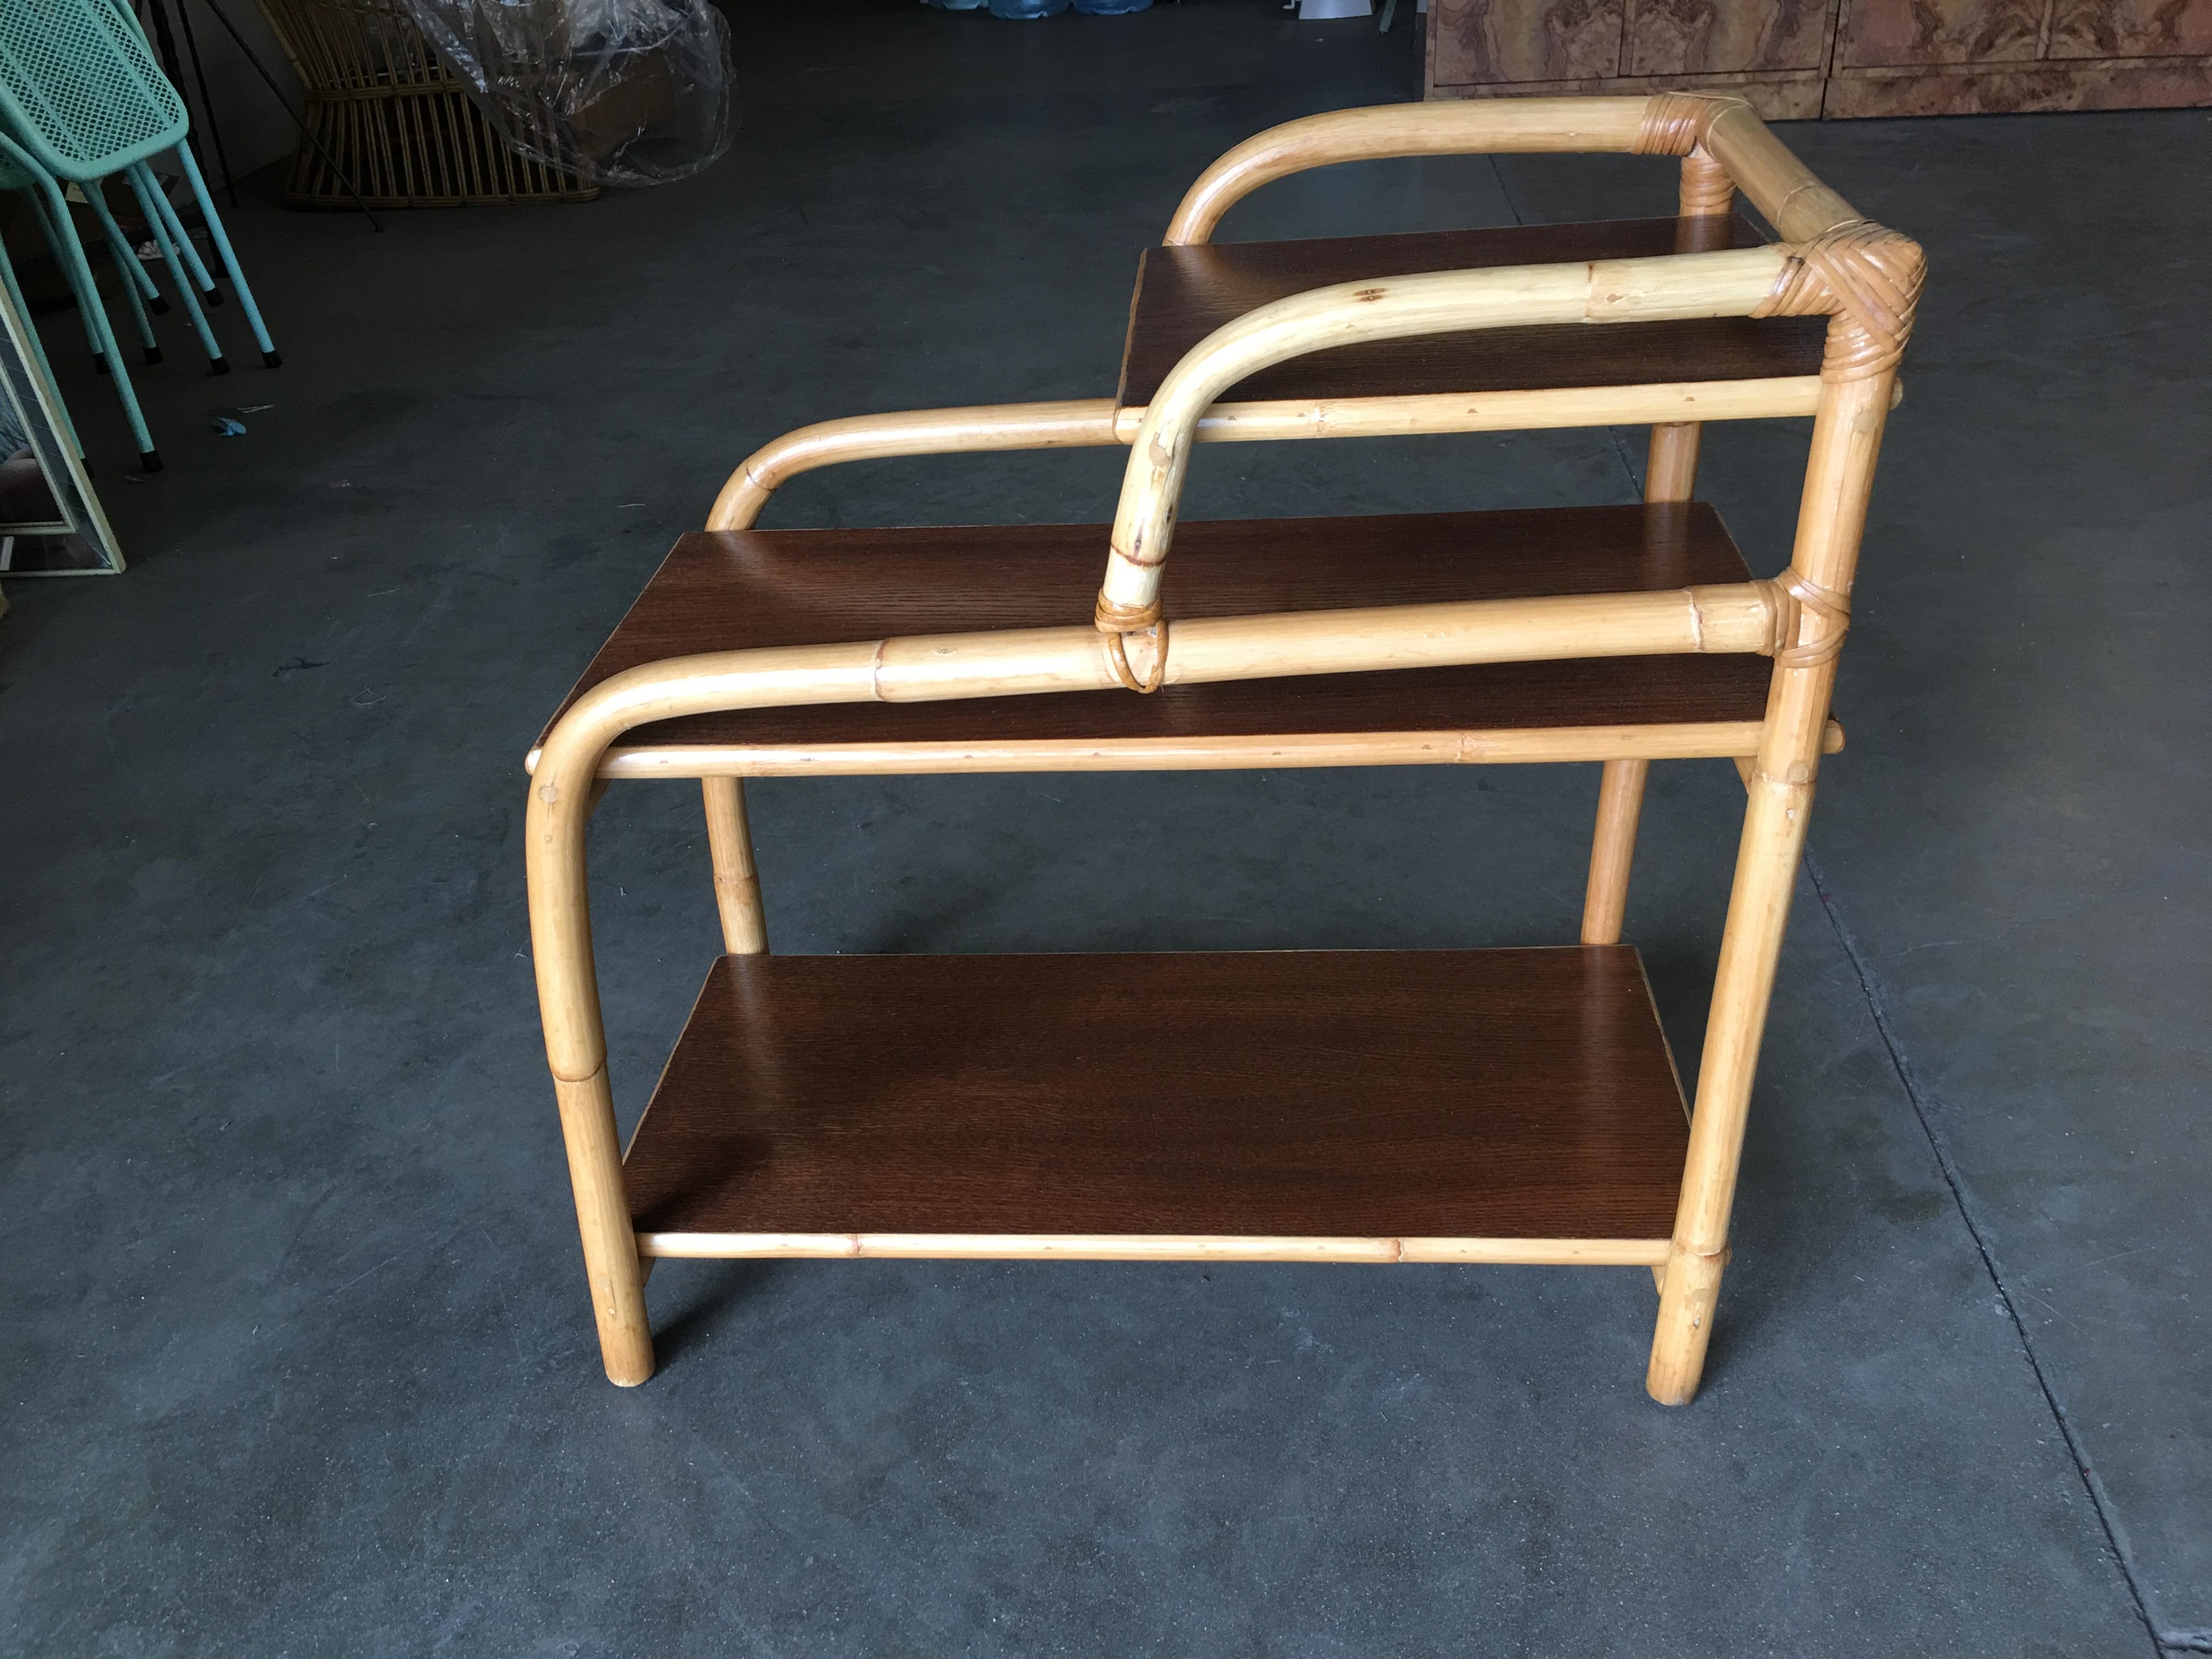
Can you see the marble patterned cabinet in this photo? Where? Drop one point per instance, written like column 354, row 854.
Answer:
column 1796, row 59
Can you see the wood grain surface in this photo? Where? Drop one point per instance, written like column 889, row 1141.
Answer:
column 1184, row 294
column 2005, row 89
column 1892, row 32
column 1774, row 95
column 1700, row 37
column 1467, row 1094
column 735, row 589
column 2130, row 28
column 1524, row 39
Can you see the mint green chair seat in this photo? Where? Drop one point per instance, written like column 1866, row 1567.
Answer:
column 81, row 100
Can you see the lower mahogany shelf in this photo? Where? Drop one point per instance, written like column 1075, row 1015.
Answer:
column 1441, row 1105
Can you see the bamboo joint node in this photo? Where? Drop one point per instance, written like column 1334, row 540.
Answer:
column 1674, row 123
column 1867, row 277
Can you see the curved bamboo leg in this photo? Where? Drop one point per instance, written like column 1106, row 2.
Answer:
column 611, row 1258
column 576, row 1052
column 736, row 882
column 1838, row 477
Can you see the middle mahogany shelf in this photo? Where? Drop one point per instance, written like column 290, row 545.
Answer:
column 735, row 590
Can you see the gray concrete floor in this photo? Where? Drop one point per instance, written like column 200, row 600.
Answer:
column 300, row 1358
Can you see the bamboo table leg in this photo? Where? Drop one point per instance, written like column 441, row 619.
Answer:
column 1613, row 849
column 1671, row 475
column 1838, row 479
column 736, row 882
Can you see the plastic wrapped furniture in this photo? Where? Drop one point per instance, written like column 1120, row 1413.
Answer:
column 81, row 101
column 393, row 117
column 1441, row 1106
column 638, row 92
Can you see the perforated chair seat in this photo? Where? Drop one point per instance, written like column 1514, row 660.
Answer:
column 79, row 89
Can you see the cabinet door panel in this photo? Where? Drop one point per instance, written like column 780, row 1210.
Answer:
column 2130, row 28
column 1484, row 42
column 1878, row 33
column 1711, row 37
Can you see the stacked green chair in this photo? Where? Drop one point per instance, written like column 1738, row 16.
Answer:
column 81, row 101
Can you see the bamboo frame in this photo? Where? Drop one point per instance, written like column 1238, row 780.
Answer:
column 1743, row 616
column 1833, row 262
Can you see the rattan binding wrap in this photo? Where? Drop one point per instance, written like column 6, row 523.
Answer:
column 1674, row 123
column 1866, row 277
column 1117, row 657
column 1794, row 600
column 1707, row 187
column 391, row 117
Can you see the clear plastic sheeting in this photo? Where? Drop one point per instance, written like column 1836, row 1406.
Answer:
column 623, row 92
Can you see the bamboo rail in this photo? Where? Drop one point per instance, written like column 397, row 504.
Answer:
column 1723, row 130
column 1096, row 422
column 1685, row 740
column 1158, row 1247
column 1509, row 126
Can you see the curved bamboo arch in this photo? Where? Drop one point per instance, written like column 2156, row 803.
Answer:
column 1795, row 203
column 1672, row 286
column 1380, row 131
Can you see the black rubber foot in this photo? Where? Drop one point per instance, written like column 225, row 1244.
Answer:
column 153, row 354
column 218, row 364
column 212, row 296
column 272, row 360
column 100, row 362
column 159, row 305
column 149, row 462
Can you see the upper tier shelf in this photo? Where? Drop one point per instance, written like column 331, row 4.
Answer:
column 722, row 592
column 1184, row 294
